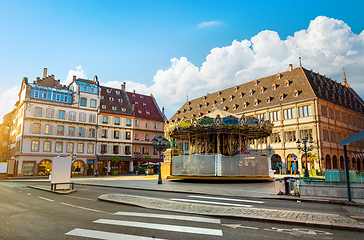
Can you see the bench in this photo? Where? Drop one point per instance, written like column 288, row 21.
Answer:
column 55, row 185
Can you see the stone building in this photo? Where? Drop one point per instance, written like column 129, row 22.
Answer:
column 301, row 104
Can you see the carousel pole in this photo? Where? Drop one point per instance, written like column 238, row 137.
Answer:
column 196, row 143
column 189, row 143
column 205, row 143
column 218, row 142
column 239, row 142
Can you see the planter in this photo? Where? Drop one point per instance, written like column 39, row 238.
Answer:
column 114, row 173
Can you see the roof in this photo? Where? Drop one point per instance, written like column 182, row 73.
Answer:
column 281, row 88
column 117, row 98
column 145, row 106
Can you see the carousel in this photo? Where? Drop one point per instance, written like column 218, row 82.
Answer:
column 220, row 145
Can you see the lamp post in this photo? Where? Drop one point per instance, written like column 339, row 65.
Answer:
column 160, row 144
column 305, row 149
column 72, row 156
column 137, row 157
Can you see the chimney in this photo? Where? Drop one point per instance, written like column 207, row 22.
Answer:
column 74, row 78
column 134, row 91
column 290, row 67
column 44, row 72
column 123, row 86
column 162, row 111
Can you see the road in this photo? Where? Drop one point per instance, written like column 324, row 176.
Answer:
column 27, row 213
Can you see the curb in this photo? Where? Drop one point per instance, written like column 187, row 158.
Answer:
column 341, row 226
column 322, row 201
column 49, row 190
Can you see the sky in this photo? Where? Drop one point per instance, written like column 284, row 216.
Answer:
column 177, row 49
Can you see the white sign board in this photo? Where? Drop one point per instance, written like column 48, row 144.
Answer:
column 61, row 172
column 3, row 167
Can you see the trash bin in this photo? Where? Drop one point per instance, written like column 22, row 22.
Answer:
column 286, row 185
column 292, row 186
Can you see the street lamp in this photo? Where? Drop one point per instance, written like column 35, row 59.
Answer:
column 305, row 149
column 72, row 156
column 160, row 144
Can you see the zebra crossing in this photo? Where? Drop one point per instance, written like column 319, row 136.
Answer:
column 221, row 201
column 116, row 223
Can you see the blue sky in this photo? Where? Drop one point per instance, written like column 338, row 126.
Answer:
column 160, row 46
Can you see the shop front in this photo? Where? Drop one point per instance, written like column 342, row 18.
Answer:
column 45, row 168
column 111, row 165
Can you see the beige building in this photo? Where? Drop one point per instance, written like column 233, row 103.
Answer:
column 301, row 104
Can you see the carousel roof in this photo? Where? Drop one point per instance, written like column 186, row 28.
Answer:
column 219, row 112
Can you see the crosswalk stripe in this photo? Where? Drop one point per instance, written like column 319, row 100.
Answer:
column 164, row 227
column 106, row 235
column 167, row 216
column 218, row 203
column 227, row 199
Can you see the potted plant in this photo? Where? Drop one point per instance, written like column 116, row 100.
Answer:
column 115, row 160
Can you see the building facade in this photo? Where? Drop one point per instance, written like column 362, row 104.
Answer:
column 301, row 104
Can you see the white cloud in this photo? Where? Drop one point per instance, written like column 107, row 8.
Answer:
column 8, row 98
column 326, row 46
column 78, row 73
column 208, row 24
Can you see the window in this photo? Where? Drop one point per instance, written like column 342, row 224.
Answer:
column 117, row 121
column 92, row 118
column 71, row 131
column 102, row 97
column 90, row 148
column 5, row 144
column 82, row 117
column 290, row 136
column 323, row 111
column 35, row 146
column 139, row 111
column 60, row 130
column 38, row 112
column 307, row 133
column 58, row 98
column 72, row 116
column 123, row 109
column 262, row 116
column 325, row 134
column 83, row 102
column 146, row 137
column 136, row 123
column 304, row 111
column 36, row 128
column 61, row 114
column 48, row 129
column 116, row 134
column 104, row 119
column 81, row 132
column 155, row 125
column 276, row 137
column 332, row 136
column 288, row 113
column 275, row 116
column 117, row 92
column 47, row 146
column 115, row 149
column 91, row 132
column 113, row 108
column 331, row 113
column 146, row 124
column 128, row 122
column 145, row 150
column 108, row 90
column 59, row 147
column 120, row 100
column 69, row 147
column 103, row 148
column 50, row 113
column 103, row 133
column 127, row 135
column 93, row 103
column 80, row 147
column 111, row 99
column 127, row 150
column 136, row 136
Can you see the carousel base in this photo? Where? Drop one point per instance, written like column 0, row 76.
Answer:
column 216, row 178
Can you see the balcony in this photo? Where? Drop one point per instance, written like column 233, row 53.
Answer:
column 116, row 152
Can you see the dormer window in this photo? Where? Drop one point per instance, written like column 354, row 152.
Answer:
column 204, row 98
column 133, row 96
column 251, row 92
column 279, row 76
column 198, row 106
column 189, row 108
column 148, row 113
column 255, row 82
column 139, row 111
column 111, row 99
column 245, row 104
column 141, row 97
column 235, row 107
column 236, row 88
column 200, row 114
column 102, row 97
column 103, row 106
column 286, row 83
column 274, row 86
column 120, row 100
column 206, row 104
column 221, row 100
column 268, row 99
column 262, row 90
column 144, row 104
column 231, row 97
column 333, row 97
column 108, row 90
column 117, row 92
column 281, row 96
column 256, row 102
column 188, row 103
column 295, row 93
column 218, row 93
column 136, row 103
column 327, row 94
column 113, row 108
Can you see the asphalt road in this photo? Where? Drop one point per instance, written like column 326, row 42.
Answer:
column 27, row 213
